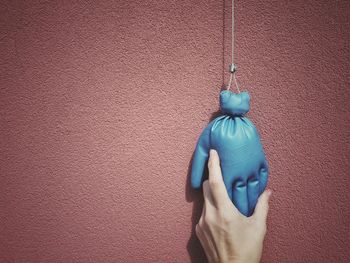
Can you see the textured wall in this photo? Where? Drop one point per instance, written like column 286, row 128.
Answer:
column 102, row 103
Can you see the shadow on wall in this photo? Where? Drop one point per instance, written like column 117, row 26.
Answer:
column 194, row 247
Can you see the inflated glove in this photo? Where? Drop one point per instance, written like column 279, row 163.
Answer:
column 242, row 159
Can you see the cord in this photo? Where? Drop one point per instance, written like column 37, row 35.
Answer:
column 233, row 67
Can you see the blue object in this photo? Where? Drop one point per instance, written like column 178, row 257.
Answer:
column 242, row 159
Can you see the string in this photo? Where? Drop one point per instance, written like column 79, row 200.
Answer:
column 233, row 67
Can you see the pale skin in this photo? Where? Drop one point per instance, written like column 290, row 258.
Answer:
column 226, row 235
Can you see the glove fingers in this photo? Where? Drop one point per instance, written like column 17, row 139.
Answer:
column 253, row 193
column 200, row 159
column 263, row 176
column 240, row 197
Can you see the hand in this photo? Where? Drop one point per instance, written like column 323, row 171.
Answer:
column 225, row 234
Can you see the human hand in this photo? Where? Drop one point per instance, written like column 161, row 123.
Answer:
column 225, row 234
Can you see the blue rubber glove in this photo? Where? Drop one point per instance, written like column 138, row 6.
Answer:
column 242, row 159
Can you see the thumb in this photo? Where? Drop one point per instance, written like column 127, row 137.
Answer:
column 262, row 206
column 216, row 182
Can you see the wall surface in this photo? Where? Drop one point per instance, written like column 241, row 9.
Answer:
column 101, row 104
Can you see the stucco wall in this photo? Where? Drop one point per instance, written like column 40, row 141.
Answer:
column 101, row 104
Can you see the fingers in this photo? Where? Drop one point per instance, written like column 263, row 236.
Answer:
column 240, row 197
column 263, row 176
column 253, row 194
column 262, row 207
column 200, row 158
column 216, row 183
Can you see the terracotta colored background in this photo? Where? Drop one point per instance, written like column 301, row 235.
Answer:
column 102, row 103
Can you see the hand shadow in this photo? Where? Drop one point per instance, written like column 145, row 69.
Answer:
column 194, row 247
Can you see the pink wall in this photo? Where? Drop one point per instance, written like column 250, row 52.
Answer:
column 102, row 103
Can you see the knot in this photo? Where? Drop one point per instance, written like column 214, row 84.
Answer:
column 233, row 68
column 234, row 103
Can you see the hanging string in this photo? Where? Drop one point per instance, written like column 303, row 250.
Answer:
column 233, row 67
